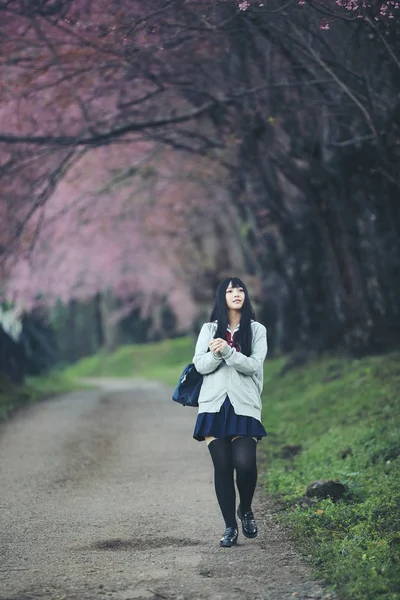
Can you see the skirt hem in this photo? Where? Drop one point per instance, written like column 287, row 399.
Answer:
column 227, row 424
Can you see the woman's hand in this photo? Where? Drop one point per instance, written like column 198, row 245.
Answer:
column 217, row 345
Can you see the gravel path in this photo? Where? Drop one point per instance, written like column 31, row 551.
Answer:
column 104, row 494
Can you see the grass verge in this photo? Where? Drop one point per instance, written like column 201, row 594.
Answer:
column 340, row 419
column 162, row 361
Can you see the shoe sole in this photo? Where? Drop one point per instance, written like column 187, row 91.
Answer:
column 228, row 545
column 249, row 537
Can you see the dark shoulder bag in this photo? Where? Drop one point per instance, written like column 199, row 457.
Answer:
column 188, row 389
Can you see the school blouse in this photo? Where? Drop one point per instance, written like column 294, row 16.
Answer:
column 231, row 373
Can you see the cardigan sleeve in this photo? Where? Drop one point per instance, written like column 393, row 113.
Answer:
column 205, row 362
column 249, row 365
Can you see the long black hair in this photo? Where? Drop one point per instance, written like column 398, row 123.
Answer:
column 243, row 337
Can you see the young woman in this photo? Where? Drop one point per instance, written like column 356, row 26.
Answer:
column 230, row 352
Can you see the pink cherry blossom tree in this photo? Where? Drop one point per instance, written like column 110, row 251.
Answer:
column 302, row 124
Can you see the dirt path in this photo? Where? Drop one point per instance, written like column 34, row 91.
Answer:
column 104, row 494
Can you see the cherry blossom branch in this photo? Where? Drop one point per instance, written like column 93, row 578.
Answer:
column 109, row 136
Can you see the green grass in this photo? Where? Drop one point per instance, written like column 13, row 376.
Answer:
column 345, row 415
column 162, row 361
column 14, row 397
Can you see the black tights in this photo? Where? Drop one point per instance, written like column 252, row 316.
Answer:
column 227, row 456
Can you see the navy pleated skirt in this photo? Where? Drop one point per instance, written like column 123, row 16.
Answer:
column 226, row 423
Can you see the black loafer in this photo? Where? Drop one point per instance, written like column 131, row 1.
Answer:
column 229, row 538
column 249, row 525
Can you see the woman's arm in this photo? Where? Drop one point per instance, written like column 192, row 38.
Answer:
column 205, row 361
column 248, row 365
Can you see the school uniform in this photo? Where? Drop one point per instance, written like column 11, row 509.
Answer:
column 230, row 396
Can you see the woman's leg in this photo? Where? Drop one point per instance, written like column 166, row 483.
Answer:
column 221, row 454
column 245, row 465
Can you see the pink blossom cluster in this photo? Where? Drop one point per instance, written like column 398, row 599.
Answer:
column 386, row 9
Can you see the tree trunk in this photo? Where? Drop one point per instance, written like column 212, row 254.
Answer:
column 109, row 329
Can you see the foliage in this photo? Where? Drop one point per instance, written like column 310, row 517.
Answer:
column 345, row 415
column 300, row 125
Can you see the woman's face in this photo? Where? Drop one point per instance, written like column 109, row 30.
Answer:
column 234, row 297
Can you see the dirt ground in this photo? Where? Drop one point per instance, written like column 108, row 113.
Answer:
column 104, row 494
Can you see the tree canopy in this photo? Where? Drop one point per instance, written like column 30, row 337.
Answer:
column 150, row 148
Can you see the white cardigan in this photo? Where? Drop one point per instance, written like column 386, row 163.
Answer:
column 233, row 373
